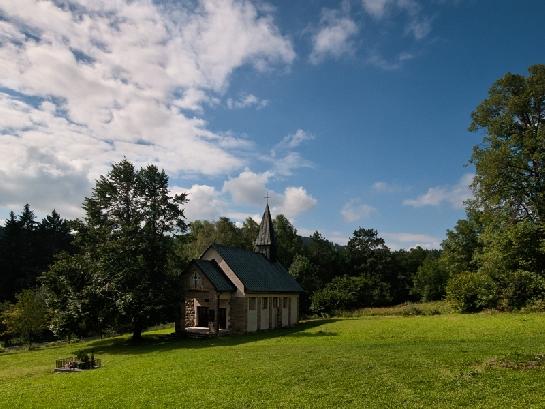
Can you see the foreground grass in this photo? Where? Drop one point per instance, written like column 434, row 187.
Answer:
column 447, row 360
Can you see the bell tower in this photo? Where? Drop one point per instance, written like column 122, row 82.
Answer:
column 265, row 243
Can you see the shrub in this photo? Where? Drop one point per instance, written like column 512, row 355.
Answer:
column 523, row 288
column 347, row 292
column 28, row 317
column 535, row 306
column 412, row 310
column 472, row 292
column 341, row 293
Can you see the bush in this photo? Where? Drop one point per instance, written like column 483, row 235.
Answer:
column 344, row 293
column 535, row 306
column 28, row 317
column 472, row 292
column 341, row 293
column 523, row 288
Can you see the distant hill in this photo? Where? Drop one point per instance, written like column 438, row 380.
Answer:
column 307, row 240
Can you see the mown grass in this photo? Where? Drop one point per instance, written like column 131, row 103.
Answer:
column 447, row 360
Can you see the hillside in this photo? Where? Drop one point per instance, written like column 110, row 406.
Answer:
column 447, row 360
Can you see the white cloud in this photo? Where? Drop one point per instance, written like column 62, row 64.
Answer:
column 384, row 187
column 454, row 195
column 248, row 187
column 284, row 159
column 293, row 140
column 393, row 64
column 418, row 26
column 285, row 165
column 246, row 101
column 43, row 181
column 102, row 80
column 376, row 8
column 398, row 241
column 205, row 202
column 333, row 38
column 294, row 201
column 355, row 210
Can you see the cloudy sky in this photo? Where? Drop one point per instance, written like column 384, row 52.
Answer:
column 348, row 113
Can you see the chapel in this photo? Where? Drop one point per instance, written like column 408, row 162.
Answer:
column 234, row 290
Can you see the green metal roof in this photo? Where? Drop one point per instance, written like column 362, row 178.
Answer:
column 213, row 272
column 256, row 272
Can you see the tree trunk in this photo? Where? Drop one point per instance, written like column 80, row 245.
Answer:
column 137, row 332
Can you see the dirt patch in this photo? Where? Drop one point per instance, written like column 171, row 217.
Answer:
column 517, row 361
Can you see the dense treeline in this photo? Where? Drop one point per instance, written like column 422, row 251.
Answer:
column 118, row 268
column 363, row 273
column 27, row 248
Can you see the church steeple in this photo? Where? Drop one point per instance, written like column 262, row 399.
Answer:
column 265, row 243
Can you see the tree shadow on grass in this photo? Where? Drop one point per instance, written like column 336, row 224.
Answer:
column 167, row 342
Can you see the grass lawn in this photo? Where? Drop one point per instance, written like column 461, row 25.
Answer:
column 449, row 360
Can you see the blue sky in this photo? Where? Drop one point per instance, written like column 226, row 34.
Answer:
column 350, row 113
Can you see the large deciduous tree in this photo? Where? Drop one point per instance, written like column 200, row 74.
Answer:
column 510, row 162
column 130, row 216
column 123, row 272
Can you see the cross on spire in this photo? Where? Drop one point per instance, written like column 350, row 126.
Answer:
column 267, row 197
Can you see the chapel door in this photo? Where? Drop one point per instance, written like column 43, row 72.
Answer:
column 202, row 316
column 222, row 318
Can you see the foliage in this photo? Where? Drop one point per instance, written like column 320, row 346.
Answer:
column 203, row 233
column 503, row 238
column 288, row 242
column 79, row 297
column 328, row 259
column 28, row 317
column 472, row 292
column 305, row 273
column 510, row 163
column 406, row 263
column 523, row 288
column 248, row 232
column 27, row 248
column 123, row 271
column 346, row 292
column 431, row 279
column 463, row 244
column 508, row 247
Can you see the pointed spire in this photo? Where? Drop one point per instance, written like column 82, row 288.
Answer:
column 265, row 243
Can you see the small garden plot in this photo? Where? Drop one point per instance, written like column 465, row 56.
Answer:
column 82, row 361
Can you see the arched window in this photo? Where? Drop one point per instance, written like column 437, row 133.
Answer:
column 195, row 280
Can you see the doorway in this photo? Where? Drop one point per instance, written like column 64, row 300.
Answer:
column 202, row 316
column 222, row 318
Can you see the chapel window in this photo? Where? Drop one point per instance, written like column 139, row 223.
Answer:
column 285, row 302
column 264, row 303
column 275, row 302
column 195, row 280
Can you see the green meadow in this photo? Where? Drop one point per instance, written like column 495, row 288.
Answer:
column 370, row 360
